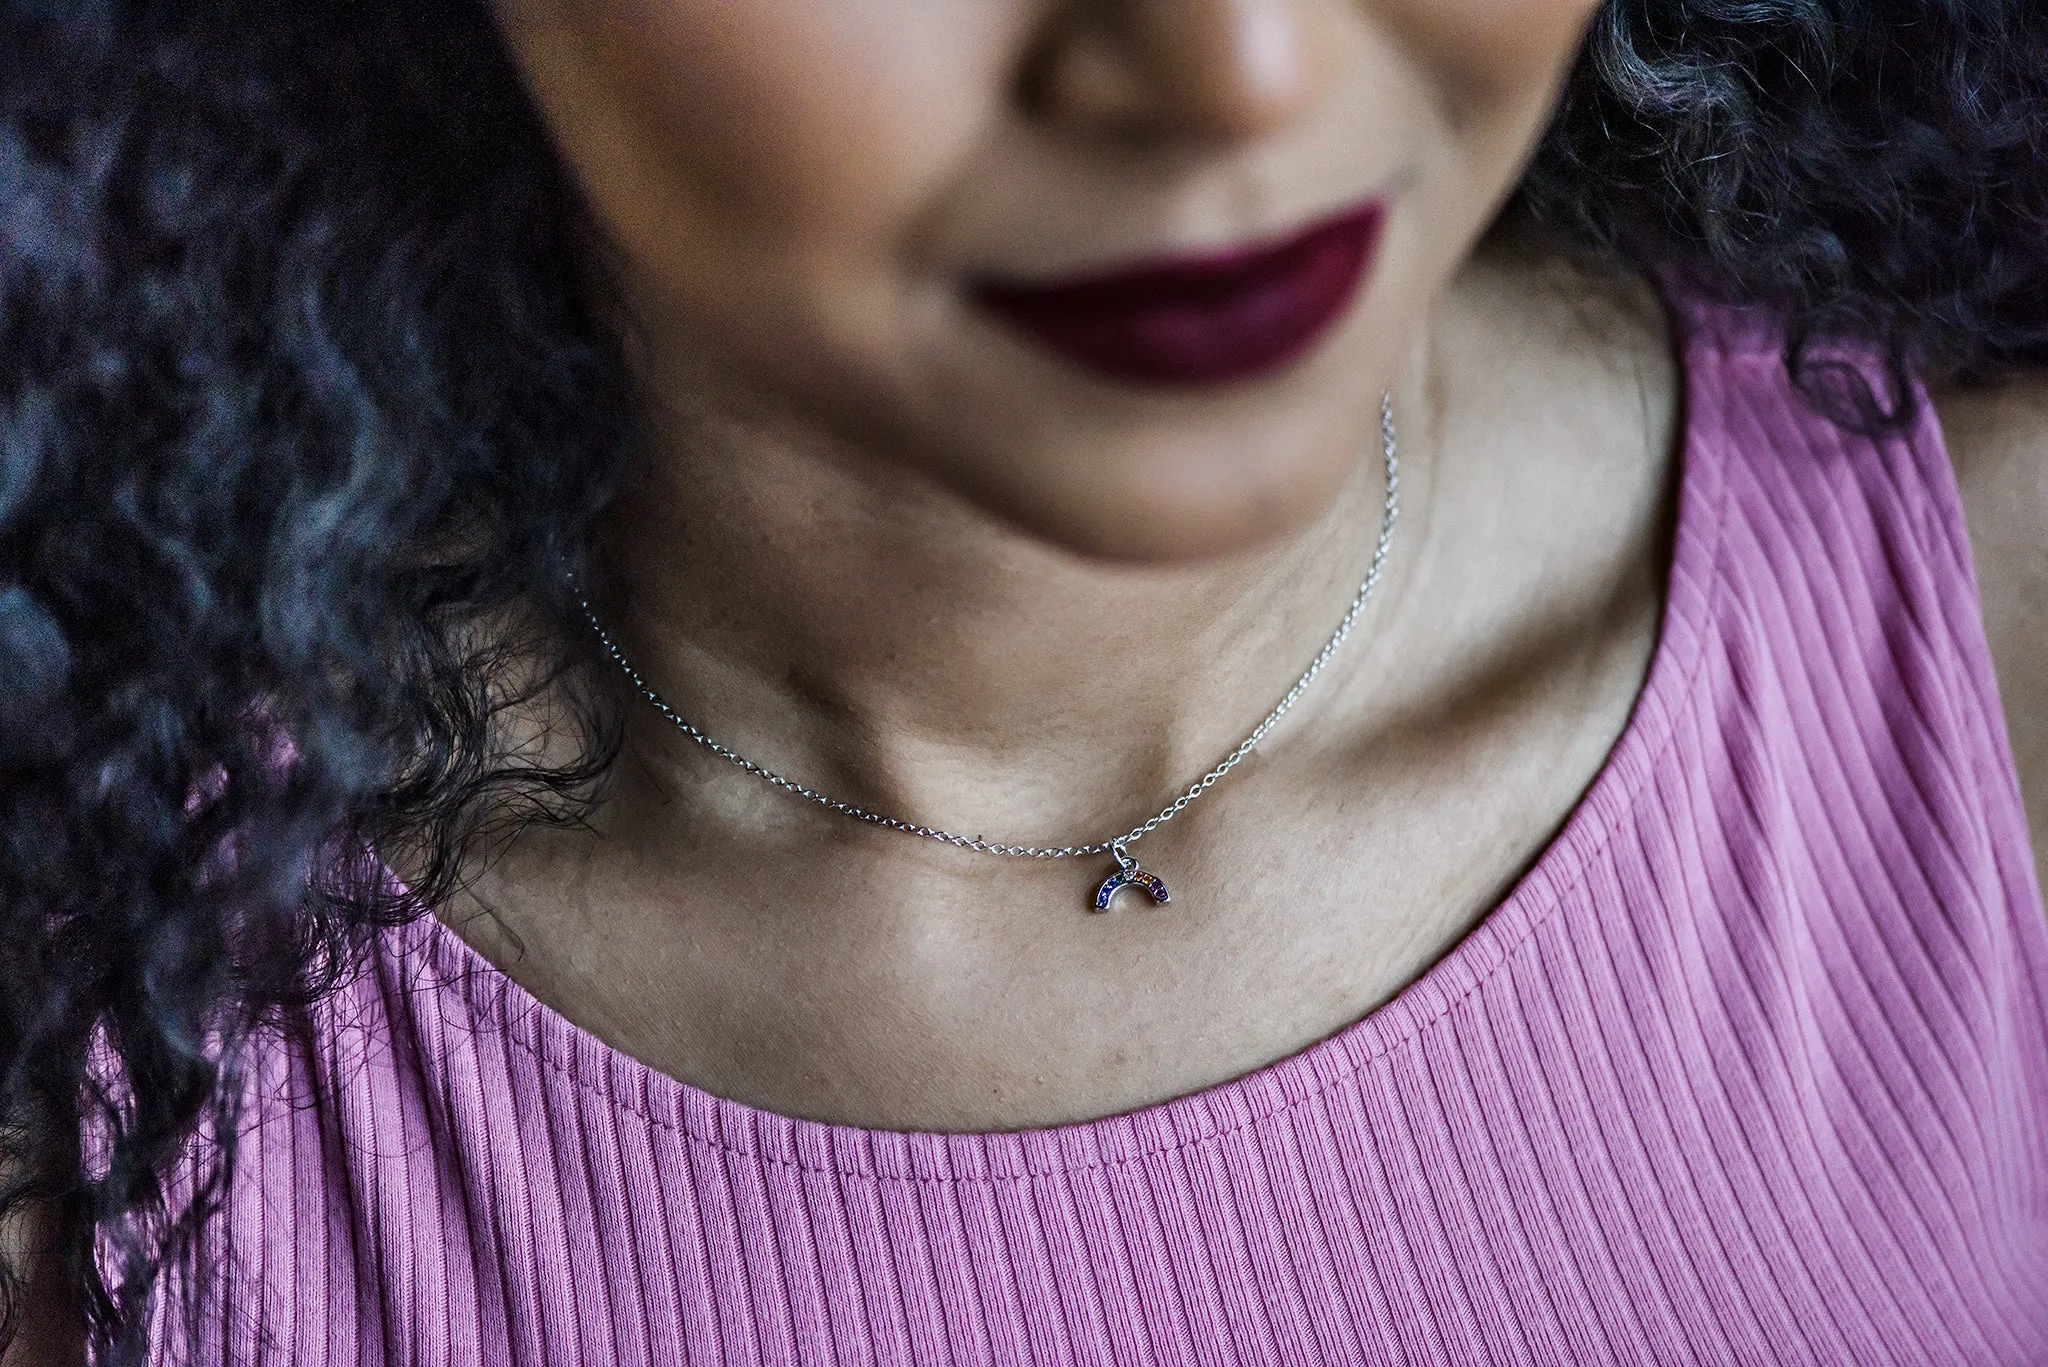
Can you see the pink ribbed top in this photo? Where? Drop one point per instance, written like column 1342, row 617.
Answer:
column 1751, row 1067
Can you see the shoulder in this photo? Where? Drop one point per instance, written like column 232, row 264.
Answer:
column 47, row 1332
column 1998, row 441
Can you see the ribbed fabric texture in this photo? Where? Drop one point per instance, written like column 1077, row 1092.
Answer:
column 1751, row 1068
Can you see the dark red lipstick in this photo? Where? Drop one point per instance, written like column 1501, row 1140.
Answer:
column 1199, row 320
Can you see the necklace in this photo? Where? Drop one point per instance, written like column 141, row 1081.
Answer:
column 1128, row 874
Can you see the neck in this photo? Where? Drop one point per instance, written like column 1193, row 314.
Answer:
column 875, row 636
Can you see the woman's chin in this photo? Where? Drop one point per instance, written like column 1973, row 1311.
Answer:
column 1136, row 513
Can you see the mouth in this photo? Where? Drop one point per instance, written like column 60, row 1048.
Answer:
column 1199, row 321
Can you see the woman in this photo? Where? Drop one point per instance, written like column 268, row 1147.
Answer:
column 440, row 446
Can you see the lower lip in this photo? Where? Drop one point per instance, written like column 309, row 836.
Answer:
column 1199, row 321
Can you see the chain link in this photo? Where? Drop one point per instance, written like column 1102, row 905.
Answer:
column 1390, row 514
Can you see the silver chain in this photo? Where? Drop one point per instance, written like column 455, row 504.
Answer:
column 1390, row 514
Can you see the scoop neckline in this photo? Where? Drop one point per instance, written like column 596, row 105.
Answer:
column 738, row 1129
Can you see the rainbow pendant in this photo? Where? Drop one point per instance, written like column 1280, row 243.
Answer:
column 1128, row 875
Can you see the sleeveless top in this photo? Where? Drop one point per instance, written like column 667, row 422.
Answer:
column 1751, row 1067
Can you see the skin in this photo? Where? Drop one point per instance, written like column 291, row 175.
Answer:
column 796, row 193
column 50, row 1330
column 1998, row 440
column 879, row 543
column 882, row 545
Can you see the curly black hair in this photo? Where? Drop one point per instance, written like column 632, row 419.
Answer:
column 308, row 403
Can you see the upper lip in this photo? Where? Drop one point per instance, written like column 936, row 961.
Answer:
column 1188, row 267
